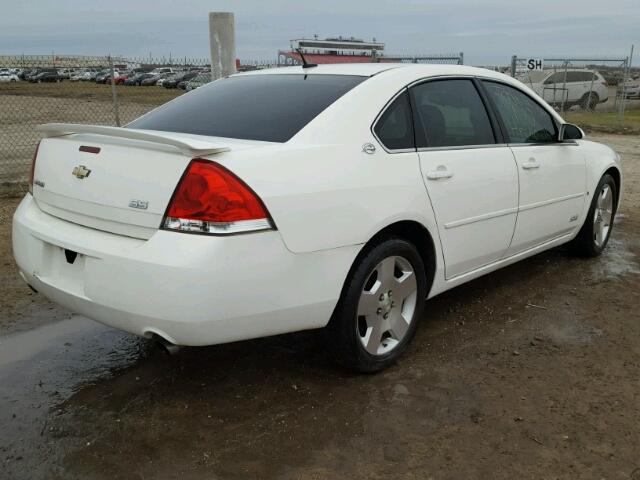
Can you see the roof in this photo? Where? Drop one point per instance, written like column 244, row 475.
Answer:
column 370, row 69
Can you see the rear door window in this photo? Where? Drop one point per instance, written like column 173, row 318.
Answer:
column 450, row 113
column 394, row 129
column 268, row 107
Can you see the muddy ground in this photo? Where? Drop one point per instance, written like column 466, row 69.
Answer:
column 532, row 372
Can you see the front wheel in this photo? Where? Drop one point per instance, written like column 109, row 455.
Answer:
column 382, row 301
column 596, row 230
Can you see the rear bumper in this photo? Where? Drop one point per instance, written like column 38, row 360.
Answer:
column 189, row 289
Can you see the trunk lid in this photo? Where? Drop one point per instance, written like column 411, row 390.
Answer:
column 123, row 182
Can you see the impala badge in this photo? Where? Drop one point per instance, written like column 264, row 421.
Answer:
column 80, row 172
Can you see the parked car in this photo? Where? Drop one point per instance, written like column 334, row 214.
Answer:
column 160, row 70
column 6, row 77
column 24, row 74
column 48, row 76
column 336, row 196
column 172, row 82
column 64, row 73
column 154, row 79
column 101, row 76
column 121, row 78
column 631, row 88
column 198, row 81
column 117, row 78
column 150, row 80
column 586, row 88
column 33, row 73
column 137, row 78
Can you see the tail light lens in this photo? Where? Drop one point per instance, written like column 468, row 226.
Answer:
column 210, row 199
column 33, row 168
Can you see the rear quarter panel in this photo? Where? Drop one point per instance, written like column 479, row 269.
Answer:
column 320, row 187
column 330, row 196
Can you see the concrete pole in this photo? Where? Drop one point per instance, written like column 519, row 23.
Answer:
column 222, row 39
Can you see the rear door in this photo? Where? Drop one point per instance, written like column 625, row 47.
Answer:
column 470, row 175
column 552, row 175
column 577, row 85
column 554, row 89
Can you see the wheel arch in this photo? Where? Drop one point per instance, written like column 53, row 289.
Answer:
column 415, row 233
column 617, row 177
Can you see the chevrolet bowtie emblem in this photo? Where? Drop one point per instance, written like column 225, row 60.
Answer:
column 80, row 172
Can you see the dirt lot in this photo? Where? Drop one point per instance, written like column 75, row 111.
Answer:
column 530, row 372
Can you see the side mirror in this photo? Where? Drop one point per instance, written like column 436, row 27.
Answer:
column 568, row 131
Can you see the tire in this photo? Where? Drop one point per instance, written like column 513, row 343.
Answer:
column 371, row 326
column 589, row 102
column 596, row 230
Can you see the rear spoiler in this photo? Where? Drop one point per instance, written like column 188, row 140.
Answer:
column 188, row 146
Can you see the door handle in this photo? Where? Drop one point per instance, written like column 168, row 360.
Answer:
column 438, row 173
column 531, row 164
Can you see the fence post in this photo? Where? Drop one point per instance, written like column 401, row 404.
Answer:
column 461, row 59
column 114, row 94
column 514, row 61
column 625, row 77
column 565, row 92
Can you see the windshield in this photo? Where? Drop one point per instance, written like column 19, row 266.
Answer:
column 270, row 107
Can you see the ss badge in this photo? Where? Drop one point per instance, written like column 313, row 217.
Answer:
column 142, row 205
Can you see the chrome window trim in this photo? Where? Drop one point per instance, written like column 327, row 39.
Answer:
column 546, row 108
column 569, row 143
column 463, row 147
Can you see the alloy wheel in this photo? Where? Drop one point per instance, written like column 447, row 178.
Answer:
column 387, row 305
column 603, row 215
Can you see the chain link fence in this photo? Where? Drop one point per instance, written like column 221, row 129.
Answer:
column 94, row 90
column 108, row 90
column 592, row 83
column 103, row 90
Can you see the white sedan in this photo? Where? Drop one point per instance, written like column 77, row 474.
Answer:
column 337, row 196
column 6, row 77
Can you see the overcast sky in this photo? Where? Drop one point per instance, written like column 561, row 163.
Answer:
column 488, row 32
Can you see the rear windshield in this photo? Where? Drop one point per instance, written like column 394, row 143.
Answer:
column 271, row 108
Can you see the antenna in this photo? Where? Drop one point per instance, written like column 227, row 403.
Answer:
column 304, row 60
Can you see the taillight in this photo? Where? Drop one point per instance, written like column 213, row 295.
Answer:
column 211, row 199
column 33, row 168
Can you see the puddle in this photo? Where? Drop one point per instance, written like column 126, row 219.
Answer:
column 40, row 368
column 616, row 261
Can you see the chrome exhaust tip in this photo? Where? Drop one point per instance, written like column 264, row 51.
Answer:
column 167, row 346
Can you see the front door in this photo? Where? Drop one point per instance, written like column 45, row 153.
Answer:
column 471, row 180
column 552, row 174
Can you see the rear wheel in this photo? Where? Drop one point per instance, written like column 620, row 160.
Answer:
column 589, row 102
column 594, row 234
column 381, row 304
